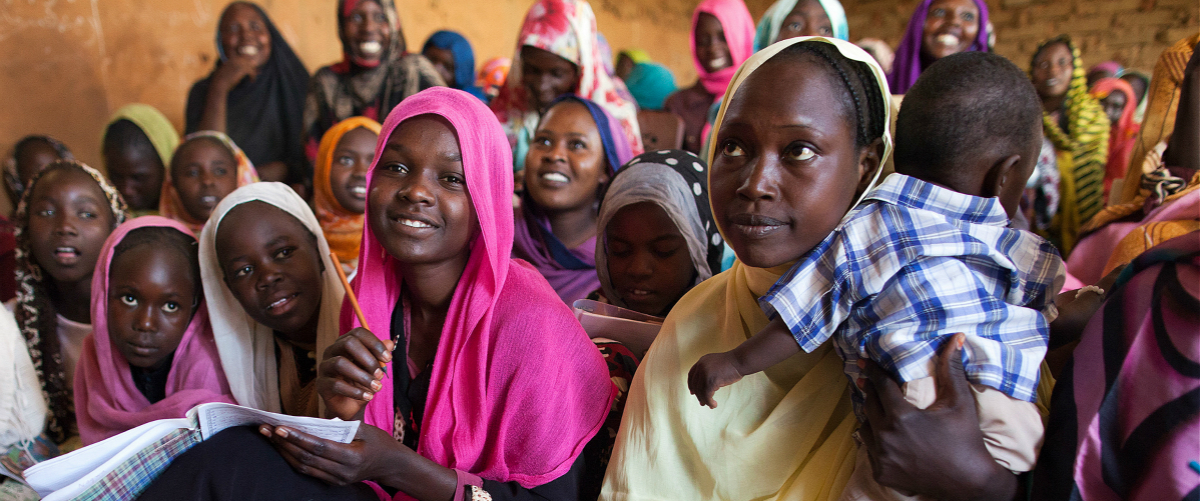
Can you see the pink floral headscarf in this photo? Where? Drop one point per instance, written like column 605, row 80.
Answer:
column 566, row 28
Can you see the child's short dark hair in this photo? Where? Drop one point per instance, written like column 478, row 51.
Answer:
column 124, row 133
column 165, row 237
column 27, row 141
column 862, row 102
column 963, row 106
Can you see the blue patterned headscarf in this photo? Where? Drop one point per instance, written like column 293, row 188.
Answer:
column 772, row 21
column 464, row 60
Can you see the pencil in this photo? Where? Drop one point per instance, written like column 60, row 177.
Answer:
column 337, row 265
column 362, row 319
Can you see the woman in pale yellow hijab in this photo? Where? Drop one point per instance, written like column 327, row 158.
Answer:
column 777, row 190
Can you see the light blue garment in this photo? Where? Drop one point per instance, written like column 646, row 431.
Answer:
column 650, row 84
column 772, row 20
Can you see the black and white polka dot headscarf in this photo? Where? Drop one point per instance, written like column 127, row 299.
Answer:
column 692, row 178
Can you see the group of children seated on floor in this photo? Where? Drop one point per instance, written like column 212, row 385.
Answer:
column 228, row 294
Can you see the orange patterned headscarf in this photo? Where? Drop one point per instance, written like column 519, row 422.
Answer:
column 342, row 228
column 170, row 206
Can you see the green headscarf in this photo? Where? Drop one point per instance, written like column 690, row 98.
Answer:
column 153, row 123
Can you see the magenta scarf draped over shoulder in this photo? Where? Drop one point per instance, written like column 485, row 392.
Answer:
column 106, row 400
column 906, row 66
column 739, row 36
column 517, row 388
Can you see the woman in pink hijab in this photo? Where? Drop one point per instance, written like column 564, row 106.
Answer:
column 474, row 381
column 129, row 372
column 722, row 38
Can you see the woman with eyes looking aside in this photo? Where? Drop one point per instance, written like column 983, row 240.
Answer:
column 575, row 152
column 787, row 166
column 937, row 29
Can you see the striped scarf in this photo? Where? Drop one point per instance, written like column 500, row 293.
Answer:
column 1083, row 153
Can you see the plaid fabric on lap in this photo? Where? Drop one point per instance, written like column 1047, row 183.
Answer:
column 132, row 476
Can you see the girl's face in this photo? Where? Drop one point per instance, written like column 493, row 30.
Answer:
column 807, row 19
column 711, row 48
column 204, row 172
column 648, row 259
column 443, row 62
column 136, row 172
column 951, row 26
column 69, row 218
column 348, row 173
column 420, row 208
column 273, row 267
column 151, row 299
column 565, row 166
column 1052, row 71
column 546, row 75
column 366, row 32
column 786, row 167
column 1114, row 105
column 244, row 34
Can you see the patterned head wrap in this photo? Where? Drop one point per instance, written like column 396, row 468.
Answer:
column 36, row 315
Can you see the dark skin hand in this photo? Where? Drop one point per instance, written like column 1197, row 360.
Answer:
column 768, row 347
column 939, row 451
column 1073, row 315
column 426, row 222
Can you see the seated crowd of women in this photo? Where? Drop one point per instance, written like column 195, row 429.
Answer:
column 474, row 217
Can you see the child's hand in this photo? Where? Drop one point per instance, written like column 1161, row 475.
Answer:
column 712, row 372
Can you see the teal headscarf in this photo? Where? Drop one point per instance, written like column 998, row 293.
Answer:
column 772, row 20
column 650, row 83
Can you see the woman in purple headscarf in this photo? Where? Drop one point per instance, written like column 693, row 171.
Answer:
column 937, row 29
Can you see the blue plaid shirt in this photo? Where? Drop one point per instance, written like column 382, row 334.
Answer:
column 911, row 266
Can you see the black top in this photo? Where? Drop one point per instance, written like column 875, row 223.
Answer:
column 263, row 115
column 411, row 395
column 152, row 383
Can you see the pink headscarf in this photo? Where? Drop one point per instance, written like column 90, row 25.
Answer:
column 1123, row 135
column 739, row 36
column 567, row 29
column 516, row 388
column 106, row 400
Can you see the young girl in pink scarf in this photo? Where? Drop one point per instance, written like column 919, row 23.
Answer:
column 151, row 353
column 474, row 381
column 722, row 38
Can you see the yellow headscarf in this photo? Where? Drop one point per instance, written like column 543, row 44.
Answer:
column 784, row 433
column 342, row 228
column 1082, row 153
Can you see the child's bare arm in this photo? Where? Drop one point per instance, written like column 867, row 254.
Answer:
column 770, row 346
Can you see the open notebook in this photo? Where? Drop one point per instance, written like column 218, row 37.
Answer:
column 121, row 467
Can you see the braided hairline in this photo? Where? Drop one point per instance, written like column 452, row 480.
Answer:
column 35, row 312
column 868, row 128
